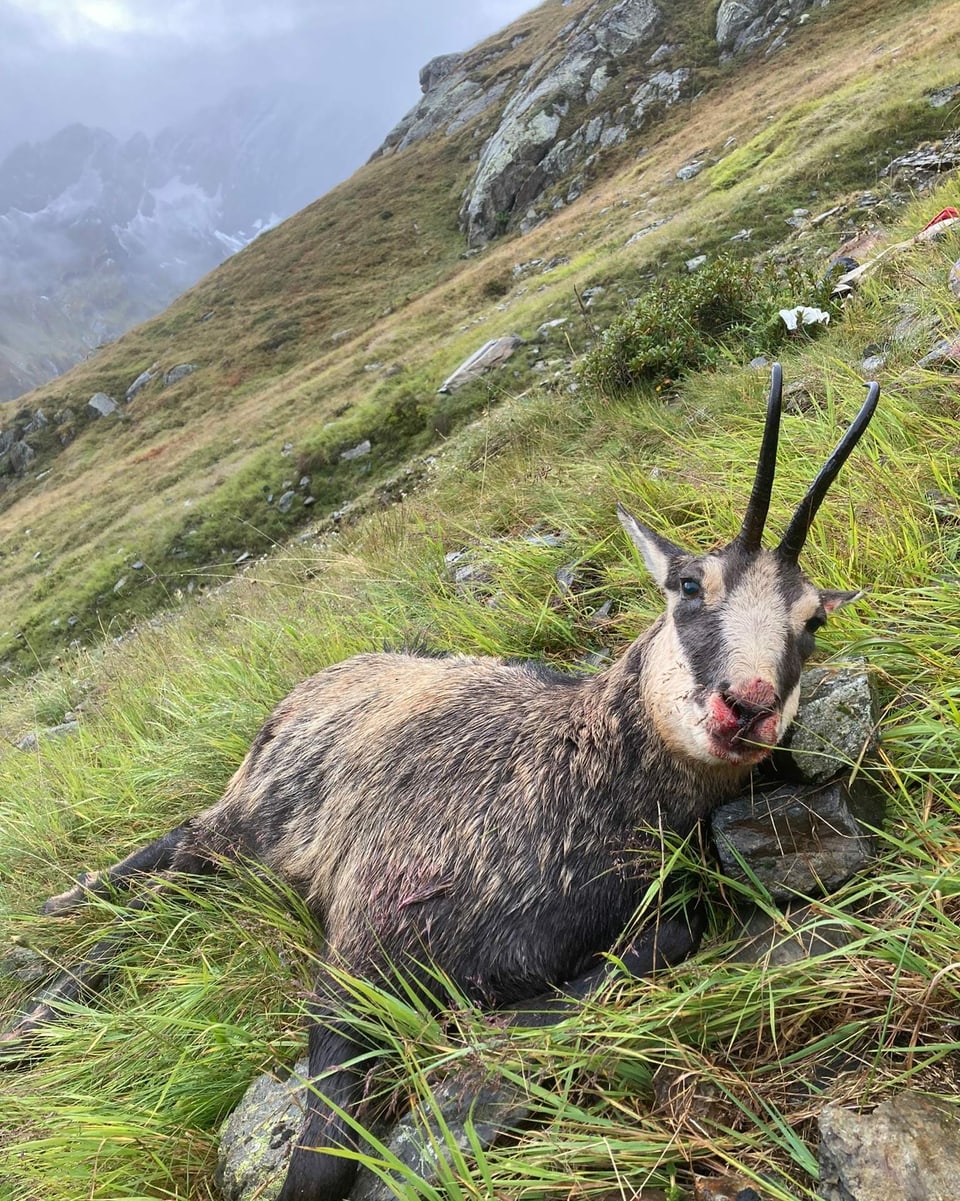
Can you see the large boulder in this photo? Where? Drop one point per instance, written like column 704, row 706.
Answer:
column 744, row 25
column 513, row 168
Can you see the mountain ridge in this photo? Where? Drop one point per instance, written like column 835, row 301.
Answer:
column 99, row 233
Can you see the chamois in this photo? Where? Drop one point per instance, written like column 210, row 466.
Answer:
column 496, row 820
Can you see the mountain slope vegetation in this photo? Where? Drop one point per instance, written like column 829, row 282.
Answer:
column 296, row 341
column 287, row 335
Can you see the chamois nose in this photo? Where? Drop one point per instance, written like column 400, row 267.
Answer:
column 751, row 700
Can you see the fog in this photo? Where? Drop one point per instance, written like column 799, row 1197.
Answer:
column 129, row 65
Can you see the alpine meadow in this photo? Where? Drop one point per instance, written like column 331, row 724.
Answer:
column 632, row 203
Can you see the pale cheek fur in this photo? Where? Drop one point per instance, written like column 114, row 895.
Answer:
column 680, row 720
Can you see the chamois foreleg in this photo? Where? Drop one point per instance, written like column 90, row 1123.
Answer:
column 667, row 941
column 335, row 1089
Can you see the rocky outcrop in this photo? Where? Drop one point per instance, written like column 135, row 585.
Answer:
column 607, row 74
column 453, row 95
column 745, row 25
column 525, row 155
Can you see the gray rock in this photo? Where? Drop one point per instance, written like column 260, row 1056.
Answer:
column 945, row 353
column 908, row 1149
column 941, row 98
column 696, row 263
column 459, row 1102
column 873, row 363
column 258, row 1137
column 36, row 422
column 546, row 329
column 23, row 965
column 490, row 355
column 451, row 99
column 141, row 381
column 102, row 404
column 918, row 168
column 798, row 839
column 356, row 452
column 690, row 170
column 662, row 90
column 285, row 503
column 946, row 509
column 744, row 25
column 437, row 69
column 30, row 741
column 835, row 727
column 799, row 933
column 19, row 456
column 178, row 373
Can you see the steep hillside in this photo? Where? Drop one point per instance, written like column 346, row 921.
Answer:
column 482, row 520
column 339, row 326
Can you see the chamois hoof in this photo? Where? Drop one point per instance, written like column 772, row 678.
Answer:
column 73, row 898
column 18, row 1045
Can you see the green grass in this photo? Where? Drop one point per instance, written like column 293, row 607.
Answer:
column 210, row 991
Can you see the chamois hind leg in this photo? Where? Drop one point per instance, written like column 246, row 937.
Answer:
column 190, row 849
column 334, row 1084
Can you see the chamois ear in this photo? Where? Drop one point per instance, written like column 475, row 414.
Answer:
column 657, row 551
column 833, row 600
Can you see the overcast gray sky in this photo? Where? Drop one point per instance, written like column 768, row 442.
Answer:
column 138, row 64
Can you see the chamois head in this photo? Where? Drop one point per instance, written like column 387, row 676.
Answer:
column 723, row 680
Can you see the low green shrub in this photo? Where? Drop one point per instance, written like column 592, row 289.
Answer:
column 727, row 308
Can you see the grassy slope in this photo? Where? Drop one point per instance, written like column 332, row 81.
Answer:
column 127, row 1104
column 180, row 481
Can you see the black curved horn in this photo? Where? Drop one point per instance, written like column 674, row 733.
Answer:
column 792, row 542
column 751, row 531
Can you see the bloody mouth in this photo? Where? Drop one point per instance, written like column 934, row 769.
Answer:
column 741, row 731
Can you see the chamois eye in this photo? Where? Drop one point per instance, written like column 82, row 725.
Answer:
column 815, row 623
column 691, row 589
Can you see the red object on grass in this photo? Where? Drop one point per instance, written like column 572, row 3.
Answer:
column 943, row 215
